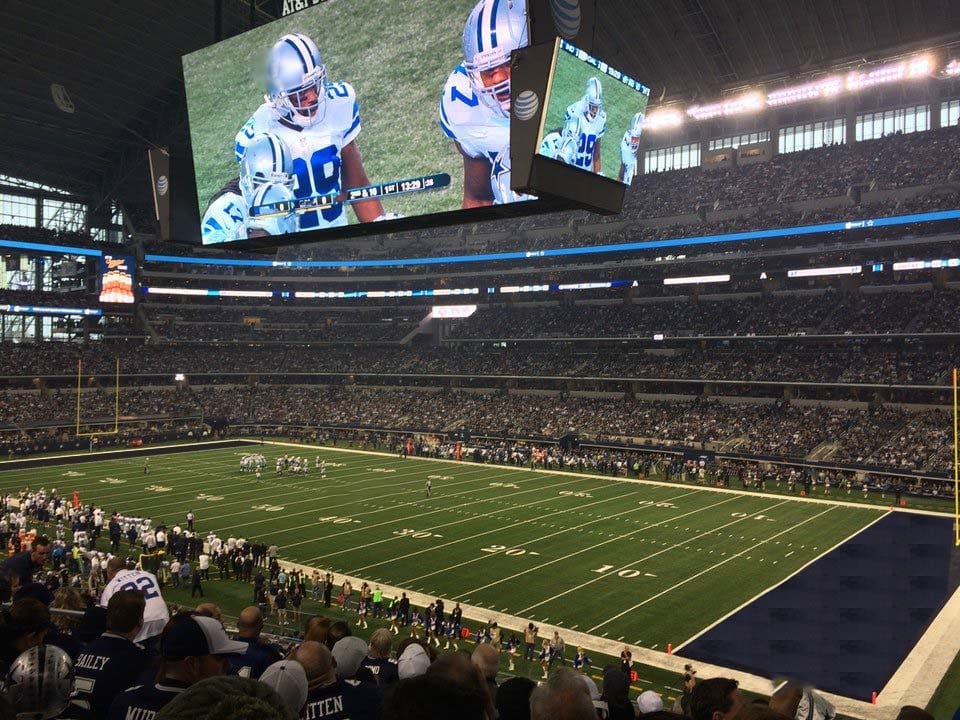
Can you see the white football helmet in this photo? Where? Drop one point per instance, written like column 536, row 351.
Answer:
column 267, row 159
column 494, row 29
column 294, row 68
column 593, row 97
column 273, row 210
column 636, row 128
column 571, row 128
column 40, row 682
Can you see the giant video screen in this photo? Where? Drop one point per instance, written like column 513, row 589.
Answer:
column 353, row 112
column 594, row 116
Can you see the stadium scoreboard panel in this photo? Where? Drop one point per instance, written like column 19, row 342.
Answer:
column 594, row 115
column 555, row 138
column 335, row 119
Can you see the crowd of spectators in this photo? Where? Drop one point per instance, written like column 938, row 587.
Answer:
column 888, row 437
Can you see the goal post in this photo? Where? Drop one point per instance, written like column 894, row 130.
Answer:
column 116, row 403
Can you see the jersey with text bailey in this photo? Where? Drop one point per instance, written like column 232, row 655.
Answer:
column 628, row 156
column 225, row 216
column 589, row 131
column 315, row 150
column 155, row 614
column 480, row 132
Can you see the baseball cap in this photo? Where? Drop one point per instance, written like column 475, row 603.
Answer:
column 413, row 662
column 196, row 636
column 649, row 701
column 349, row 652
column 289, row 680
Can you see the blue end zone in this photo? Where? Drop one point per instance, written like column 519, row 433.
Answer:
column 846, row 622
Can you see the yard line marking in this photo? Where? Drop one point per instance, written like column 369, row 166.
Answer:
column 648, row 557
column 470, row 537
column 778, row 584
column 541, row 539
column 594, row 547
column 789, row 553
column 455, row 522
column 221, row 483
column 362, row 501
column 405, row 518
column 709, row 569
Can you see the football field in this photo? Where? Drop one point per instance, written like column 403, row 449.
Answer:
column 648, row 564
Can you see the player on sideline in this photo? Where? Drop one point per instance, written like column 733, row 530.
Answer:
column 429, row 487
column 592, row 118
column 146, row 465
column 628, row 149
column 475, row 104
column 319, row 122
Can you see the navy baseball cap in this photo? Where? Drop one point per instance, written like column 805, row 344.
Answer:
column 196, row 636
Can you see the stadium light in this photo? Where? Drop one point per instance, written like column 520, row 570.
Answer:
column 524, row 288
column 822, row 88
column 668, row 117
column 179, row 377
column 827, row 271
column 453, row 311
column 927, row 264
column 916, row 67
column 697, row 280
column 748, row 102
column 953, row 68
column 920, row 66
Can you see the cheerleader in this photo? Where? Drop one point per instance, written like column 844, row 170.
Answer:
column 363, row 607
column 415, row 624
column 581, row 661
column 432, row 621
column 512, row 648
column 546, row 655
column 392, row 614
column 453, row 633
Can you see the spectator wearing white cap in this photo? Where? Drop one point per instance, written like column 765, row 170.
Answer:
column 413, row 661
column 289, row 680
column 649, row 702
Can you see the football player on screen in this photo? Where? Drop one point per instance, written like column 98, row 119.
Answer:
column 319, row 122
column 266, row 160
column 561, row 144
column 628, row 149
column 475, row 105
column 592, row 118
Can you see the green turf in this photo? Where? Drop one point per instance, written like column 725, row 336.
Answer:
column 398, row 77
column 646, row 563
column 620, row 102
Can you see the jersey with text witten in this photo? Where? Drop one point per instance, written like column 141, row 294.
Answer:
column 315, row 150
column 628, row 156
column 589, row 131
column 480, row 132
column 155, row 614
column 225, row 217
